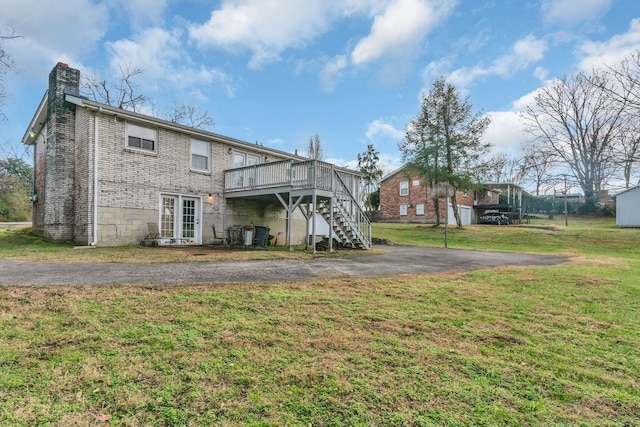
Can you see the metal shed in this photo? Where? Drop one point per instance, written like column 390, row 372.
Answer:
column 628, row 208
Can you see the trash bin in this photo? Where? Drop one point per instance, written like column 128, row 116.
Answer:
column 261, row 236
column 248, row 235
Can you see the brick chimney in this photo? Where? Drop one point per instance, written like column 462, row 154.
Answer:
column 60, row 155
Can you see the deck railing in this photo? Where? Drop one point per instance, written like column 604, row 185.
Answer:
column 298, row 175
column 349, row 207
column 309, row 174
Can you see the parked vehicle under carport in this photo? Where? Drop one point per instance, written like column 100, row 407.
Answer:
column 495, row 218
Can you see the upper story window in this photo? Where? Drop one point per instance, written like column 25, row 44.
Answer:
column 404, row 188
column 142, row 138
column 416, row 182
column 244, row 177
column 244, row 159
column 200, row 155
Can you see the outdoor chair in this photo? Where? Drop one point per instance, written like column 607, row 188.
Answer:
column 152, row 237
column 218, row 240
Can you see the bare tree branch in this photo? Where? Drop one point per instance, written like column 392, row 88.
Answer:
column 190, row 115
column 120, row 92
column 578, row 120
column 6, row 63
column 314, row 150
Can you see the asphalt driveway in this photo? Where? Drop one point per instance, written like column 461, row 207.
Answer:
column 398, row 260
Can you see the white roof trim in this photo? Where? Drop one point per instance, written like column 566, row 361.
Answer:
column 37, row 122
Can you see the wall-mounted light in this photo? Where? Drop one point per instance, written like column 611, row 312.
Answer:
column 209, row 198
column 265, row 159
column 230, row 150
column 32, row 133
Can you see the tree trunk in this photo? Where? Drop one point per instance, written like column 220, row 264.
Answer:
column 456, row 214
column 436, row 206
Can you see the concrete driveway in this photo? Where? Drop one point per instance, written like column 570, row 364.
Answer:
column 398, row 260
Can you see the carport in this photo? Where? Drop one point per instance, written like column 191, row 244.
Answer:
column 512, row 204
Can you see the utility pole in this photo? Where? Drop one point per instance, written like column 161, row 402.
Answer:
column 444, row 190
column 566, row 212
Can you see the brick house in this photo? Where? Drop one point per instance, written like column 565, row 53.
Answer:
column 405, row 198
column 101, row 174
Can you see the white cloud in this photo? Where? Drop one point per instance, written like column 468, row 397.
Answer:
column 506, row 133
column 164, row 60
column 265, row 27
column 379, row 129
column 610, row 52
column 142, row 11
column 260, row 26
column 540, row 73
column 332, row 71
column 53, row 31
column 527, row 99
column 525, row 52
column 400, row 28
column 569, row 12
column 153, row 49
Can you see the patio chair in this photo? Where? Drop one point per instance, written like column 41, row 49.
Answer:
column 218, row 240
column 152, row 237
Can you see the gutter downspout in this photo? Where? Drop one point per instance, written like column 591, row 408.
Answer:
column 96, row 133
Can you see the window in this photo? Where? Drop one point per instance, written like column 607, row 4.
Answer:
column 246, row 176
column 420, row 209
column 238, row 160
column 141, row 138
column 199, row 155
column 416, row 182
column 252, row 161
column 167, row 216
column 403, row 210
column 404, row 188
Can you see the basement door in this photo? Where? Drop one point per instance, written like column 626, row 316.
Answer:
column 180, row 220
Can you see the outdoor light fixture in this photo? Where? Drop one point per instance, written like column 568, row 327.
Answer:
column 32, row 133
column 209, row 198
column 230, row 150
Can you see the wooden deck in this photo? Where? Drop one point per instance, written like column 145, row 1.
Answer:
column 330, row 190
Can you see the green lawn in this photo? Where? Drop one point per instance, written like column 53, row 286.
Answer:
column 509, row 346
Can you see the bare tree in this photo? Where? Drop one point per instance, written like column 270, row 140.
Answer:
column 190, row 115
column 578, row 120
column 504, row 168
column 626, row 90
column 538, row 164
column 6, row 63
column 314, row 150
column 495, row 167
column 626, row 76
column 627, row 151
column 120, row 92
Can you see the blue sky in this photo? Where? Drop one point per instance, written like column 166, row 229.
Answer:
column 350, row 71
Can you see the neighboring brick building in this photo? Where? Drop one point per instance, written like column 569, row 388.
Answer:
column 404, row 198
column 102, row 173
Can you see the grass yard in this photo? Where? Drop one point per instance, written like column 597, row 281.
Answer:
column 510, row 346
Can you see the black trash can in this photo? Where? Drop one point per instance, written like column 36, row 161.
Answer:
column 262, row 236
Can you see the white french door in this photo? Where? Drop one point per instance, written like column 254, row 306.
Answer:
column 180, row 219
